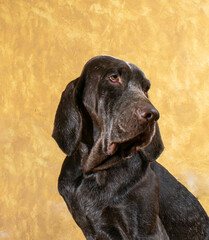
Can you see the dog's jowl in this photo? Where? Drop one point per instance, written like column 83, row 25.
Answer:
column 110, row 180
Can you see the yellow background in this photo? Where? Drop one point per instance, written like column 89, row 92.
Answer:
column 44, row 45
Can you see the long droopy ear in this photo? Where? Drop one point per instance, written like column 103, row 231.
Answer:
column 68, row 121
column 155, row 148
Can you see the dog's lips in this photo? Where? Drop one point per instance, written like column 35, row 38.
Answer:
column 112, row 148
column 128, row 147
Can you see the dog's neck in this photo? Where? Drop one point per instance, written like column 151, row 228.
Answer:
column 104, row 165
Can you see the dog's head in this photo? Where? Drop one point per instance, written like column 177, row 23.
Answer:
column 107, row 116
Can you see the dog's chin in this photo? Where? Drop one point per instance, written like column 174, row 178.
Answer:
column 126, row 148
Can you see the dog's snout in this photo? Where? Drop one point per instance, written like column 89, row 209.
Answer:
column 149, row 114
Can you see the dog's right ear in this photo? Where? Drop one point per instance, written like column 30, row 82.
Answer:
column 68, row 121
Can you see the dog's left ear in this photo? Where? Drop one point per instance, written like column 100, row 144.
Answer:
column 155, row 148
column 68, row 120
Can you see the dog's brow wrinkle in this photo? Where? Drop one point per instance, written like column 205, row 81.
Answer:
column 129, row 65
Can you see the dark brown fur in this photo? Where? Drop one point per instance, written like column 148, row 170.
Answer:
column 110, row 181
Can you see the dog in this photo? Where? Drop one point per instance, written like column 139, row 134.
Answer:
column 110, row 180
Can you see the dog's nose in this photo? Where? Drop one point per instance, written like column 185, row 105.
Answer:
column 150, row 114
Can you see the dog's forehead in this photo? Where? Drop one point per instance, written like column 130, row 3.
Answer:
column 104, row 63
column 136, row 70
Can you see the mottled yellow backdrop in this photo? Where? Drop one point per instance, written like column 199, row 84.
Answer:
column 44, row 45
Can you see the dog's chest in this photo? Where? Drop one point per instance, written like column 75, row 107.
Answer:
column 125, row 199
column 112, row 187
column 128, row 201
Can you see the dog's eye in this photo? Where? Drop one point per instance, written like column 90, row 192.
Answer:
column 145, row 91
column 114, row 78
column 146, row 94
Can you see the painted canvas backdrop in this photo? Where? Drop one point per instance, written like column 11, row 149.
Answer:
column 44, row 45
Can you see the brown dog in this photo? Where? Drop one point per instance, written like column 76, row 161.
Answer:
column 107, row 126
